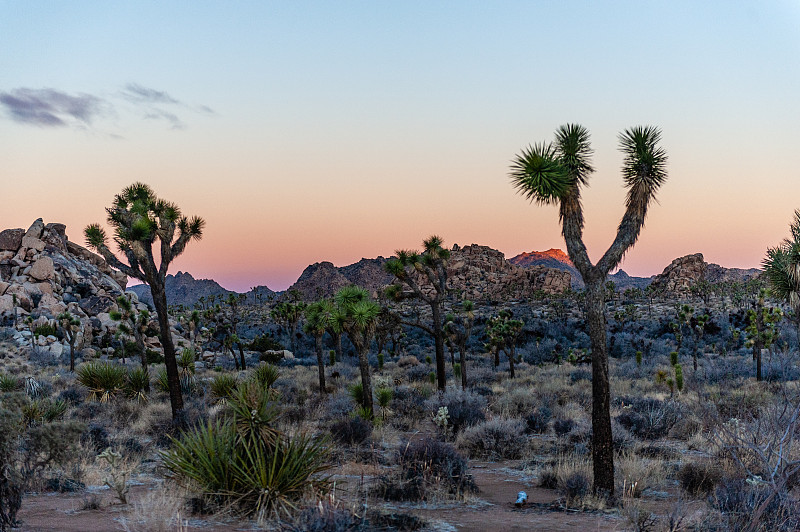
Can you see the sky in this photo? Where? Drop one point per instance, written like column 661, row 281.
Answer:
column 311, row 131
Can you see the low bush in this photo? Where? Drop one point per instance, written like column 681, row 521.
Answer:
column 427, row 469
column 562, row 427
column 740, row 502
column 493, row 439
column 537, row 421
column 464, row 408
column 351, row 431
column 222, row 386
column 650, row 419
column 699, row 478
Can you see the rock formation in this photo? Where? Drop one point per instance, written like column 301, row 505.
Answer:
column 43, row 273
column 481, row 273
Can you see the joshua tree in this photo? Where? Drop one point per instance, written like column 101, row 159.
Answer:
column 782, row 269
column 133, row 322
column 288, row 314
column 458, row 328
column 429, row 285
column 359, row 319
column 70, row 326
column 554, row 174
column 319, row 316
column 503, row 332
column 762, row 329
column 233, row 302
column 139, row 219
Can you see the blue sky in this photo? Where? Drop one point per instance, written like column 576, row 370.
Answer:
column 310, row 131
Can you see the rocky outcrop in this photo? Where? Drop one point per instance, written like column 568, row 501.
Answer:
column 321, row 279
column 552, row 258
column 718, row 274
column 481, row 273
column 680, row 275
column 182, row 289
column 43, row 273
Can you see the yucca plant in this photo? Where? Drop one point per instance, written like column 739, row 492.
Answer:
column 186, row 362
column 265, row 375
column 384, row 396
column 222, row 386
column 162, row 381
column 243, row 460
column 43, row 411
column 357, row 393
column 103, row 380
column 137, row 384
column 9, row 383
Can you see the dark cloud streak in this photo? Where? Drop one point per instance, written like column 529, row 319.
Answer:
column 139, row 94
column 51, row 108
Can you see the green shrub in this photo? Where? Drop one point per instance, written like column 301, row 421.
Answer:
column 222, row 386
column 380, row 360
column 9, row 383
column 103, row 380
column 265, row 343
column 265, row 375
column 673, row 358
column 242, row 460
column 679, row 377
column 357, row 393
column 153, row 357
column 137, row 384
column 186, row 361
column 45, row 330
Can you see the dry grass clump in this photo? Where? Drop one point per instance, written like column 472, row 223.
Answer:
column 494, row 439
column 161, row 509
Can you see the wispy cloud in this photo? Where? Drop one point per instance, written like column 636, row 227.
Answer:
column 138, row 94
column 52, row 108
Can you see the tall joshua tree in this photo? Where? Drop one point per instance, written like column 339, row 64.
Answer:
column 430, row 286
column 359, row 318
column 554, row 174
column 320, row 315
column 782, row 268
column 139, row 219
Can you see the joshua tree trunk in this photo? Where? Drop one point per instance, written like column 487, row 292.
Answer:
column 366, row 380
column 173, row 378
column 438, row 339
column 320, row 365
column 602, row 441
column 463, row 362
column 511, row 361
column 241, row 355
column 72, row 352
column 758, row 342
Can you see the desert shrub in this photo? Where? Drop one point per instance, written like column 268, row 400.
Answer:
column 548, row 479
column 26, row 452
column 562, row 427
column 97, row 437
column 71, row 396
column 537, row 421
column 327, row 516
column 265, row 375
column 493, row 439
column 153, row 357
column 740, row 503
column 104, row 380
column 351, row 431
column 427, row 468
column 336, row 406
column 137, row 384
column 243, row 460
column 408, row 406
column 580, row 375
column 575, row 486
column 515, row 403
column 699, row 478
column 39, row 411
column 45, row 330
column 650, row 419
column 265, row 343
column 418, row 373
column 10, row 383
column 743, row 403
column 464, row 408
column 222, row 386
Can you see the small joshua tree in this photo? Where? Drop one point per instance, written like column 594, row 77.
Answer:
column 430, row 286
column 554, row 174
column 319, row 317
column 139, row 218
column 132, row 323
column 359, row 319
column 70, row 326
column 458, row 328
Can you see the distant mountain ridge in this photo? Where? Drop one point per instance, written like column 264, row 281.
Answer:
column 183, row 289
